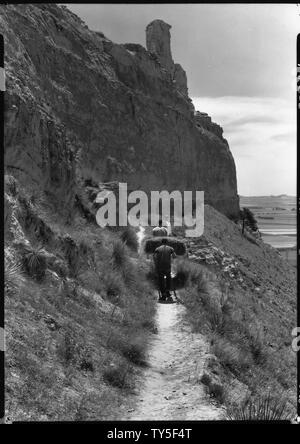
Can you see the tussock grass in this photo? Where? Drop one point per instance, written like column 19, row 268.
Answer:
column 264, row 408
column 34, row 262
column 238, row 340
column 12, row 276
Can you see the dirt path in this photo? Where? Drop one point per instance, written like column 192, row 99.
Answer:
column 170, row 389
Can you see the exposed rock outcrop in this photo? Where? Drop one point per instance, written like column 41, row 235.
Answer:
column 203, row 121
column 122, row 111
column 180, row 79
column 158, row 42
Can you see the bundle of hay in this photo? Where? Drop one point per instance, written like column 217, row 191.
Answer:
column 152, row 243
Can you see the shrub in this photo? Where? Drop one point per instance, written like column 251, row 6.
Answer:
column 135, row 353
column 248, row 219
column 34, row 262
column 129, row 237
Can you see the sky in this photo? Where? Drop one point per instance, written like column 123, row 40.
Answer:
column 240, row 61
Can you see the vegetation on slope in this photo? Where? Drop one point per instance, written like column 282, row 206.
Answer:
column 78, row 312
column 252, row 367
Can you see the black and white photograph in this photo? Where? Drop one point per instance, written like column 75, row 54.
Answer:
column 150, row 214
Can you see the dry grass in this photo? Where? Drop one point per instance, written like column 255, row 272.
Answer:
column 34, row 262
column 237, row 337
column 13, row 276
column 262, row 408
column 94, row 311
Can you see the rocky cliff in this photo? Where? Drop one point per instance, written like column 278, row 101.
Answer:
column 79, row 105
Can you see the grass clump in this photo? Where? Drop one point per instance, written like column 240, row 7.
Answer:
column 12, row 276
column 135, row 353
column 34, row 262
column 263, row 408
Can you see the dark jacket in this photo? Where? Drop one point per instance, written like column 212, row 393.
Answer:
column 163, row 257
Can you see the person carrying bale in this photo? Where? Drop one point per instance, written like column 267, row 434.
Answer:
column 163, row 256
column 160, row 230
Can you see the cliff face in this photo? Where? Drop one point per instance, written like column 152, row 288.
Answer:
column 121, row 111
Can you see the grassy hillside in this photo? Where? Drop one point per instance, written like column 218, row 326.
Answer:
column 78, row 312
column 242, row 295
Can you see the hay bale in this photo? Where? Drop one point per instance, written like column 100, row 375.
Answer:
column 154, row 242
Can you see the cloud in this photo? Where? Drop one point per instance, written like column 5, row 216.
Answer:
column 261, row 133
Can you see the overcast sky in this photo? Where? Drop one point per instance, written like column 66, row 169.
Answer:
column 240, row 62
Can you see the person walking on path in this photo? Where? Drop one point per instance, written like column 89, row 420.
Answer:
column 163, row 256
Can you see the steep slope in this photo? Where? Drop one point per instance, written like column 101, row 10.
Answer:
column 78, row 312
column 249, row 313
column 121, row 109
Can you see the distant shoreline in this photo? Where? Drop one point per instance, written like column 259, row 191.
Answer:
column 286, row 248
column 270, row 195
